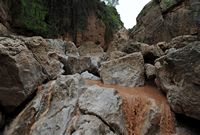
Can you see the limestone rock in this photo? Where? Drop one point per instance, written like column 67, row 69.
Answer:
column 105, row 104
column 71, row 49
column 119, row 39
column 178, row 74
column 150, row 71
column 89, row 48
column 51, row 111
column 150, row 53
column 172, row 18
column 47, row 53
column 74, row 65
column 90, row 125
column 89, row 76
column 20, row 72
column 115, row 55
column 126, row 71
column 3, row 30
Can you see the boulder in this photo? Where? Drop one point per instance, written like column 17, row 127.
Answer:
column 3, row 30
column 150, row 71
column 115, row 55
column 90, row 125
column 150, row 53
column 71, row 49
column 20, row 72
column 51, row 111
column 94, row 52
column 68, row 106
column 90, row 48
column 89, row 76
column 178, row 75
column 47, row 52
column 105, row 104
column 172, row 18
column 126, row 71
column 121, row 37
column 74, row 65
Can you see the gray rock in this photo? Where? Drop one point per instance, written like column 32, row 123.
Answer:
column 150, row 71
column 178, row 74
column 115, row 55
column 125, row 71
column 51, row 111
column 89, row 76
column 105, row 104
column 90, row 125
column 74, row 65
column 47, row 53
column 89, row 49
column 20, row 72
column 71, row 49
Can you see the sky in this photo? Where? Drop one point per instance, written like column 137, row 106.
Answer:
column 129, row 9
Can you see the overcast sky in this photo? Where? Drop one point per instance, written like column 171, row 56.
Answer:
column 129, row 9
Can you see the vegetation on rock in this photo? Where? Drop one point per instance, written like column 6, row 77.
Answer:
column 50, row 18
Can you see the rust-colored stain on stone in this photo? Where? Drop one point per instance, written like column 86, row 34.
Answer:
column 145, row 109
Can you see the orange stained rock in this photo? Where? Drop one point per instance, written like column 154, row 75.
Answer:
column 137, row 105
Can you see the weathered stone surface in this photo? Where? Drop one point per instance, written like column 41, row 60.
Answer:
column 74, row 65
column 94, row 52
column 90, row 125
column 89, row 49
column 149, row 52
column 178, row 74
column 71, row 49
column 3, row 30
column 119, row 39
column 89, row 76
column 126, row 71
column 51, row 111
column 47, row 53
column 181, row 41
column 172, row 18
column 68, row 106
column 105, row 104
column 115, row 55
column 20, row 72
column 150, row 71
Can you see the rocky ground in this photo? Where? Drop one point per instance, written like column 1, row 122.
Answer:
column 53, row 87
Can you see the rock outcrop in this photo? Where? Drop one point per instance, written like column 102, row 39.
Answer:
column 162, row 20
column 178, row 75
column 67, row 106
column 125, row 71
column 20, row 72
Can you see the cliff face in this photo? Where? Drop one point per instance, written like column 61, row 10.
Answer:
column 78, row 20
column 162, row 20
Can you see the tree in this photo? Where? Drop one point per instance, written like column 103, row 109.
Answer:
column 111, row 2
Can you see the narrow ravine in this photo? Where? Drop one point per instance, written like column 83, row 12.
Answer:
column 141, row 105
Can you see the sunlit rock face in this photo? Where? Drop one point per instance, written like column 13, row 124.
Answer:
column 165, row 19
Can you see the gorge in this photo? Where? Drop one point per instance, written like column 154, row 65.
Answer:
column 70, row 68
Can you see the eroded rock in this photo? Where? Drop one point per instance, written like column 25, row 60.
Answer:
column 150, row 71
column 51, row 110
column 178, row 74
column 90, row 125
column 89, row 76
column 20, row 72
column 105, row 104
column 126, row 71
